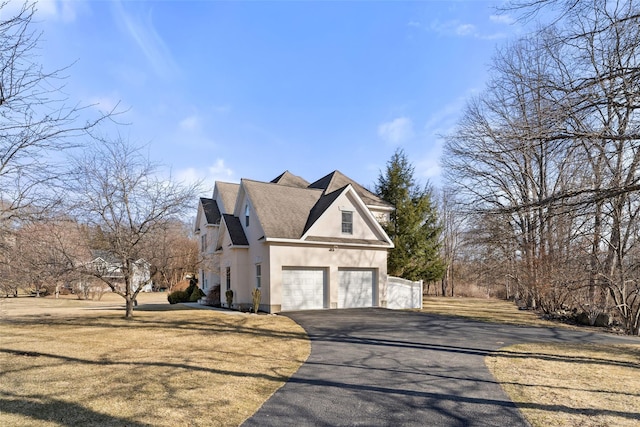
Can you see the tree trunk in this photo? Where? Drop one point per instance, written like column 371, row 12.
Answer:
column 129, row 306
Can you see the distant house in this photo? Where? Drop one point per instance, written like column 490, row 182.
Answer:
column 110, row 267
column 305, row 245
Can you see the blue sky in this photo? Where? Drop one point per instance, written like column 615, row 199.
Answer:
column 228, row 90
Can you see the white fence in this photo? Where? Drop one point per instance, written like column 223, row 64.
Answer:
column 403, row 293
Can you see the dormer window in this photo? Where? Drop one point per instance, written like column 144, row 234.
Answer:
column 347, row 222
column 246, row 215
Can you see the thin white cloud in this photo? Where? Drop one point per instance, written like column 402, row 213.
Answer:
column 465, row 29
column 396, row 131
column 65, row 11
column 429, row 167
column 502, row 19
column 190, row 124
column 106, row 104
column 415, row 24
column 455, row 28
column 442, row 121
column 219, row 171
column 143, row 32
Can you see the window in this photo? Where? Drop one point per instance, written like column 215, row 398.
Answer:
column 347, row 222
column 203, row 242
column 228, row 278
column 258, row 275
column 246, row 215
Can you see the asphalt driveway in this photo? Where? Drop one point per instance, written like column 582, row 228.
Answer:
column 377, row 367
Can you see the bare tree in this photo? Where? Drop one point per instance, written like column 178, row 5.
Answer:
column 114, row 186
column 552, row 148
column 173, row 253
column 451, row 237
column 37, row 121
column 39, row 254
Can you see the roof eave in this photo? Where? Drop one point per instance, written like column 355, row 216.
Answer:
column 383, row 245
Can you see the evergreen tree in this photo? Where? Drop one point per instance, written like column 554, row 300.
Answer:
column 414, row 227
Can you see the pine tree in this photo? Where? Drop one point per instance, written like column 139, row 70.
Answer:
column 414, row 227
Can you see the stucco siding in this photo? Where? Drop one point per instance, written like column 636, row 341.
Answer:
column 325, row 257
column 330, row 223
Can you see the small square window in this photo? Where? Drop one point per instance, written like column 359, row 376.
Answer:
column 347, row 222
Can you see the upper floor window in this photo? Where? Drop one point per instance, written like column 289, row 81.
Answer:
column 347, row 222
column 246, row 215
column 203, row 242
column 228, row 277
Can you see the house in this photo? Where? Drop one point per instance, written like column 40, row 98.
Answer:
column 304, row 245
column 109, row 267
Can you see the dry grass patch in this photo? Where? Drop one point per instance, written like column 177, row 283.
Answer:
column 70, row 362
column 486, row 310
column 572, row 385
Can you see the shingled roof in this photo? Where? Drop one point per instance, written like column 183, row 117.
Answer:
column 211, row 211
column 336, row 180
column 286, row 207
column 282, row 210
column 236, row 233
column 291, row 180
column 228, row 194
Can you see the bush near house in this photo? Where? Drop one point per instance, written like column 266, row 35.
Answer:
column 196, row 295
column 213, row 297
column 229, row 296
column 192, row 294
column 178, row 296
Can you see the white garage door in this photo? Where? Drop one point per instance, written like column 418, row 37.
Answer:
column 356, row 288
column 302, row 288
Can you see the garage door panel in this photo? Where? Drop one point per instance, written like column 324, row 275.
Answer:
column 303, row 288
column 356, row 288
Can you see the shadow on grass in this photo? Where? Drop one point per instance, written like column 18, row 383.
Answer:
column 207, row 321
column 44, row 408
column 55, row 410
column 113, row 363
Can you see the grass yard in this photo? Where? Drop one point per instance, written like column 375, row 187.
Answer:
column 553, row 384
column 486, row 310
column 68, row 362
column 564, row 385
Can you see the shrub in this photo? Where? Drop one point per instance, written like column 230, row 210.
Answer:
column 213, row 297
column 196, row 295
column 256, row 294
column 229, row 296
column 178, row 296
column 193, row 285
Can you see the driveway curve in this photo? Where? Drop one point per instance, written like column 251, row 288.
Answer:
column 378, row 367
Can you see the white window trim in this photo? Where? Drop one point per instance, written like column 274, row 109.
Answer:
column 258, row 276
column 343, row 223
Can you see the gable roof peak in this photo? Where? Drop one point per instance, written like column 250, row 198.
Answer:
column 336, row 180
column 290, row 180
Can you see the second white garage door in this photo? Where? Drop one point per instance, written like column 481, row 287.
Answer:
column 356, row 288
column 303, row 288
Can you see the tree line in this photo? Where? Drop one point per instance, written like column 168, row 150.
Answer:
column 546, row 161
